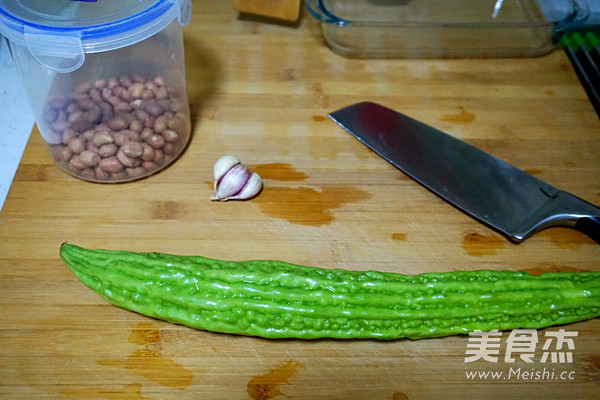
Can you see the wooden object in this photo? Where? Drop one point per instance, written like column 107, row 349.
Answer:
column 327, row 201
column 288, row 10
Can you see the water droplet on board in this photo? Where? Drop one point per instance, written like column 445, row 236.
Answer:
column 399, row 236
column 300, row 205
column 305, row 205
column 478, row 245
column 264, row 387
column 148, row 362
column 462, row 117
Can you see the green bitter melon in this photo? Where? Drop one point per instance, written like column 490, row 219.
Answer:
column 274, row 299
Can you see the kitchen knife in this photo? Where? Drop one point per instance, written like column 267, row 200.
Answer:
column 492, row 191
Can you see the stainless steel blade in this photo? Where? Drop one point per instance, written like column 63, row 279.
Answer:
column 485, row 187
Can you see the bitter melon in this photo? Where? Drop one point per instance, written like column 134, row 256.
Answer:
column 275, row 299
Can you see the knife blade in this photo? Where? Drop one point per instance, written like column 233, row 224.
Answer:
column 487, row 188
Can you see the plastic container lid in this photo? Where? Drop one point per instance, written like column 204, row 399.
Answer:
column 59, row 33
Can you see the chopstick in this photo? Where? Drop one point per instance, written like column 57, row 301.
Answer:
column 584, row 54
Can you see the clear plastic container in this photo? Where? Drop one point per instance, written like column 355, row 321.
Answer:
column 440, row 28
column 105, row 81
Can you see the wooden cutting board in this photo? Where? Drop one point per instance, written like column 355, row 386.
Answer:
column 262, row 92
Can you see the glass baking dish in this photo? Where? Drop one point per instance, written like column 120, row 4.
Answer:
column 434, row 28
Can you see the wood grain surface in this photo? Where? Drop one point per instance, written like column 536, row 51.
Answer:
column 262, row 92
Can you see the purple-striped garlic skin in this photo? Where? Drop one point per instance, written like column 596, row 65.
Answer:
column 234, row 181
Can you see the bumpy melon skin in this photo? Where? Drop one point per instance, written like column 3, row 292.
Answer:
column 275, row 299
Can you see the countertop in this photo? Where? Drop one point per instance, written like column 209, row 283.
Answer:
column 262, row 91
column 16, row 120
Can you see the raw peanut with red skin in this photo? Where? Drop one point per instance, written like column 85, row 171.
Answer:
column 148, row 152
column 170, row 135
column 118, row 176
column 154, row 109
column 63, row 153
column 117, row 128
column 121, row 138
column 75, row 115
column 125, row 81
column 149, row 122
column 76, row 145
column 159, row 156
column 146, row 133
column 147, row 94
column 101, row 174
column 161, row 124
column 86, row 104
column 162, row 93
column 136, row 125
column 67, row 135
column 77, row 163
column 127, row 161
column 133, row 135
column 90, row 146
column 149, row 165
column 96, row 96
column 156, row 141
column 136, row 90
column 122, row 106
column 136, row 172
column 89, row 134
column 141, row 115
column 133, row 149
column 89, row 158
column 103, row 137
column 94, row 114
column 117, row 123
column 88, row 174
column 168, row 148
column 107, row 150
column 111, row 164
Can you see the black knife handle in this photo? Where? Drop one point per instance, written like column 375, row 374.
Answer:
column 589, row 226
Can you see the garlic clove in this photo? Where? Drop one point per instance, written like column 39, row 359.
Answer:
column 252, row 187
column 234, row 181
column 223, row 165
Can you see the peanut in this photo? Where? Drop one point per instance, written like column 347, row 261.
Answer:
column 89, row 158
column 136, row 172
column 127, row 161
column 117, row 128
column 156, row 141
column 160, row 124
column 103, row 137
column 68, row 135
column 133, row 149
column 111, row 164
column 170, row 135
column 121, row 138
column 148, row 152
column 107, row 150
column 77, row 145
